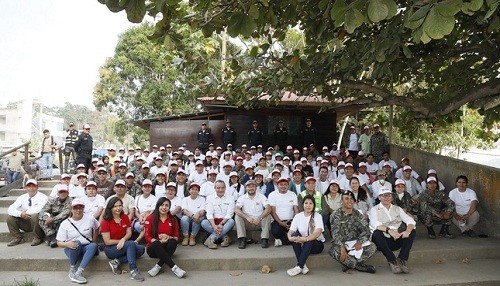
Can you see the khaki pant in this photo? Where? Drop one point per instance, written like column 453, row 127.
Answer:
column 470, row 222
column 16, row 224
column 242, row 225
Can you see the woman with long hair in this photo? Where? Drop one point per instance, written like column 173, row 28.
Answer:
column 363, row 200
column 306, row 235
column 333, row 201
column 162, row 234
column 116, row 232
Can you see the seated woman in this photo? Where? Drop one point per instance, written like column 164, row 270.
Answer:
column 363, row 202
column 116, row 232
column 306, row 235
column 162, row 234
column 351, row 244
column 332, row 198
column 77, row 235
column 193, row 210
column 386, row 225
column 403, row 199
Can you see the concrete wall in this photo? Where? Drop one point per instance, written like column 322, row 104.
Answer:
column 482, row 179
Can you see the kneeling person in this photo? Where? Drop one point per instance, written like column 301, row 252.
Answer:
column 53, row 213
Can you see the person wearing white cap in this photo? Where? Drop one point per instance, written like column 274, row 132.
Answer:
column 399, row 173
column 378, row 142
column 65, row 178
column 351, row 141
column 386, row 158
column 413, row 187
column 432, row 173
column 322, row 182
column 104, row 186
column 23, row 213
column 174, row 166
column 78, row 236
column 297, row 183
column 211, row 151
column 158, row 167
column 78, row 191
column 284, row 206
column 131, row 186
column 320, row 202
column 52, row 214
column 252, row 213
column 80, row 168
column 345, row 181
column 198, row 155
column 248, row 160
column 175, row 201
column 371, row 166
column 122, row 171
column 127, row 200
column 144, row 174
column 380, row 183
column 193, row 212
column 219, row 220
column 160, row 185
column 364, row 175
column 466, row 215
column 94, row 203
column 436, row 208
column 208, row 187
column 224, row 175
column 84, row 146
column 199, row 175
column 364, row 140
column 389, row 233
column 403, row 199
column 272, row 183
column 144, row 206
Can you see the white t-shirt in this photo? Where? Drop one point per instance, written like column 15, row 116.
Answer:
column 300, row 223
column 155, row 169
column 322, row 186
column 180, row 191
column 197, row 177
column 283, row 203
column 220, row 207
column 93, row 203
column 207, row 189
column 160, row 190
column 373, row 168
column 193, row 206
column 86, row 225
column 223, row 177
column 462, row 200
column 252, row 206
column 128, row 203
column 143, row 204
column 174, row 203
column 345, row 184
column 353, row 142
column 77, row 192
column 249, row 163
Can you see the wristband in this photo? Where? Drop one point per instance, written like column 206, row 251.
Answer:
column 387, row 230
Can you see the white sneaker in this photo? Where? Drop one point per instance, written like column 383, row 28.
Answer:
column 305, row 270
column 77, row 277
column 278, row 243
column 294, row 271
column 154, row 271
column 178, row 271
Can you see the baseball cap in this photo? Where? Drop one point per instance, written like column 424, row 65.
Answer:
column 194, row 184
column 250, row 182
column 144, row 166
column 310, row 178
column 91, row 183
column 129, row 174
column 349, row 165
column 86, row 126
column 431, row 179
column 234, row 174
column 407, row 167
column 399, row 182
column 122, row 165
column 384, row 190
column 120, row 182
column 62, row 188
column 101, row 169
column 282, row 179
column 81, row 175
column 171, row 184
column 80, row 166
column 32, row 181
column 65, row 176
column 181, row 171
column 147, row 182
column 77, row 202
column 431, row 171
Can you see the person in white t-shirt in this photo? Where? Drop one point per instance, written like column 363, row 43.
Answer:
column 466, row 215
column 284, row 206
column 208, row 187
column 252, row 212
column 77, row 235
column 78, row 191
column 306, row 235
column 193, row 212
column 175, row 201
column 199, row 175
column 65, row 179
column 144, row 206
column 94, row 203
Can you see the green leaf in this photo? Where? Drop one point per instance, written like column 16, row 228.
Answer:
column 288, row 79
column 466, row 10
column 415, row 24
column 475, row 5
column 492, row 10
column 380, row 57
column 425, row 38
column 254, row 12
column 353, row 19
column 449, row 8
column 420, row 13
column 407, row 52
column 337, row 13
column 393, row 8
column 377, row 10
column 254, row 51
column 265, row 3
column 114, row 6
column 436, row 26
column 136, row 10
column 241, row 24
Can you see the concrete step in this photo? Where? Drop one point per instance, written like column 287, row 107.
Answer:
column 17, row 192
column 5, row 202
column 481, row 272
column 425, row 251
column 47, row 184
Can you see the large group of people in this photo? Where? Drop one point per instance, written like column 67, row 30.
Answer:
column 153, row 201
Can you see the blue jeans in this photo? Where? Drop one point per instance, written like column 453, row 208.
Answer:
column 207, row 226
column 12, row 176
column 128, row 253
column 186, row 223
column 47, row 159
column 302, row 250
column 85, row 252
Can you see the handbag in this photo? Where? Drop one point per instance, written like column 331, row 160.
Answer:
column 89, row 240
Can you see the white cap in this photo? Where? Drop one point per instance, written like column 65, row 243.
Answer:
column 171, row 184
column 120, row 182
column 91, row 183
column 122, row 165
column 399, row 182
column 80, row 166
column 64, row 176
column 147, row 182
column 77, row 202
column 199, row 162
column 32, row 181
column 129, row 174
column 431, row 179
column 384, row 190
column 212, row 172
column 144, row 166
column 431, row 171
column 407, row 167
column 86, row 126
column 234, row 174
column 341, row 163
column 349, row 165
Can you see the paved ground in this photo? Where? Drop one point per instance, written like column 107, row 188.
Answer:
column 473, row 272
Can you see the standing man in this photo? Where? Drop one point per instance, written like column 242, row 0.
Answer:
column 228, row 135
column 364, row 140
column 204, row 137
column 23, row 213
column 69, row 145
column 14, row 166
column 308, row 133
column 83, row 147
column 255, row 135
column 351, row 142
column 378, row 143
column 281, row 135
column 47, row 151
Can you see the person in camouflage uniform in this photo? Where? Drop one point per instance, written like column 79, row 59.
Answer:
column 132, row 188
column 53, row 213
column 403, row 199
column 378, row 143
column 144, row 174
column 349, row 224
column 436, row 207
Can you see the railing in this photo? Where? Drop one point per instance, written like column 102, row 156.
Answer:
column 26, row 152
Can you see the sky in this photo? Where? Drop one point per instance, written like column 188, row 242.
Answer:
column 52, row 49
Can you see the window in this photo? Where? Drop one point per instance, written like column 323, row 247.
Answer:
column 3, row 120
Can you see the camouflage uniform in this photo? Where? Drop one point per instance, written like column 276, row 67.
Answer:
column 117, row 177
column 378, row 145
column 408, row 204
column 140, row 178
column 134, row 190
column 57, row 210
column 432, row 204
column 347, row 227
column 135, row 170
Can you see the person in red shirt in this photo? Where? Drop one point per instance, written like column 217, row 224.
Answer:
column 116, row 232
column 162, row 233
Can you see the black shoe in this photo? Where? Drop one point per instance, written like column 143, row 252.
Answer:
column 471, row 233
column 361, row 267
column 53, row 243
column 430, row 232
column 264, row 243
column 243, row 243
column 445, row 232
column 344, row 267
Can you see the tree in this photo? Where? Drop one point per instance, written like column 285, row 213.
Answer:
column 428, row 56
